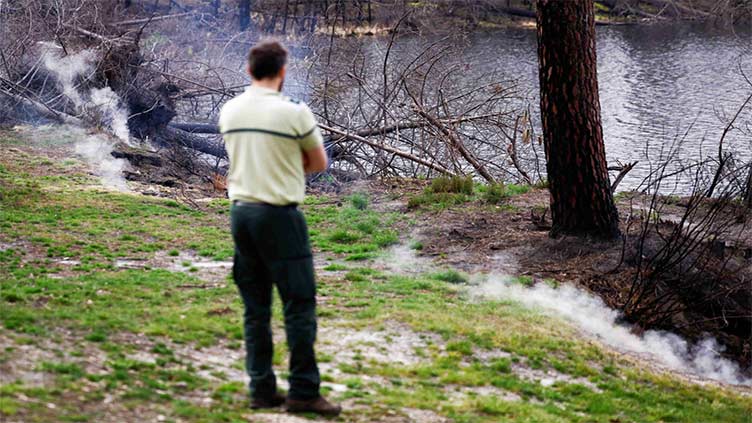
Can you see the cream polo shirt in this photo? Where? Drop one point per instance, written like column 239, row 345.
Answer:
column 265, row 134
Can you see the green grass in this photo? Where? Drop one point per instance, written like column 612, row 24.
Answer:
column 451, row 276
column 454, row 184
column 96, row 307
column 357, row 233
column 358, row 201
column 443, row 192
column 95, row 227
column 437, row 201
column 446, row 192
column 498, row 193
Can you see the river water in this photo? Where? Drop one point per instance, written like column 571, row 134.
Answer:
column 657, row 82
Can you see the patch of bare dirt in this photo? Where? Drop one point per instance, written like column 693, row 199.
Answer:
column 460, row 394
column 23, row 357
column 393, row 344
column 477, row 238
column 549, row 377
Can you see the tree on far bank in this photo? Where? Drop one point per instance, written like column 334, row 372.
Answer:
column 581, row 199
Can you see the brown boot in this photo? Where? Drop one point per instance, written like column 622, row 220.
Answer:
column 274, row 401
column 318, row 405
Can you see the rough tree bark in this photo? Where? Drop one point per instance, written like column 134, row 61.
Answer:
column 244, row 14
column 581, row 199
column 748, row 192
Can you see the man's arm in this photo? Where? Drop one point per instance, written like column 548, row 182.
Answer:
column 315, row 160
column 311, row 143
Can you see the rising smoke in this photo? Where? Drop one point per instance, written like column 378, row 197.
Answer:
column 100, row 103
column 96, row 150
column 593, row 316
column 66, row 69
column 112, row 112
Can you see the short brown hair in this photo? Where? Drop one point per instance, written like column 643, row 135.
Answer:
column 266, row 59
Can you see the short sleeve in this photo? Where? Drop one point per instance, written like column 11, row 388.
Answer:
column 310, row 135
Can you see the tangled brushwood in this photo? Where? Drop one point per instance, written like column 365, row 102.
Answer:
column 686, row 261
column 78, row 61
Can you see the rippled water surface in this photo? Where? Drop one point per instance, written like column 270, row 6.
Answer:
column 656, row 83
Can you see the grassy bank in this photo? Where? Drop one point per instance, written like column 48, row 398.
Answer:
column 117, row 307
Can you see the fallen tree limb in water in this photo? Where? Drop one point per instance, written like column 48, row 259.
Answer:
column 623, row 170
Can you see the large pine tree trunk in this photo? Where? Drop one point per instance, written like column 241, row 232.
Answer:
column 581, row 200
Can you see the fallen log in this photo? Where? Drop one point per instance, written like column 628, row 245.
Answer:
column 187, row 139
column 183, row 134
column 196, row 128
column 137, row 157
column 171, row 135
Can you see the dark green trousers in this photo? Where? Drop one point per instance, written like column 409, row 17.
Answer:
column 272, row 248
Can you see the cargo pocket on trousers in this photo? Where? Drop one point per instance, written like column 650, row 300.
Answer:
column 295, row 278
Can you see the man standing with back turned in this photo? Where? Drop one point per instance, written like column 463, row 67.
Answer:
column 272, row 142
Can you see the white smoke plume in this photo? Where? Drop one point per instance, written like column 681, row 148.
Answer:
column 67, row 68
column 403, row 259
column 112, row 111
column 97, row 151
column 100, row 102
column 594, row 317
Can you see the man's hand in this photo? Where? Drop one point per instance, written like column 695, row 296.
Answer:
column 315, row 160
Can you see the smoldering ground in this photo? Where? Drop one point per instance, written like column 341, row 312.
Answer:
column 591, row 315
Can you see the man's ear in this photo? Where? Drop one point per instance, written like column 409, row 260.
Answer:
column 283, row 72
column 248, row 70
